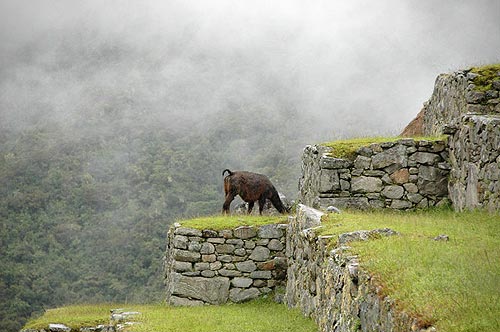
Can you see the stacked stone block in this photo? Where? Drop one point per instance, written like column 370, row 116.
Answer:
column 405, row 174
column 214, row 267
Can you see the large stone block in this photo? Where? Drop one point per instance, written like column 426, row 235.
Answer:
column 365, row 184
column 432, row 181
column 245, row 232
column 239, row 295
column 270, row 232
column 393, row 156
column 209, row 290
column 328, row 180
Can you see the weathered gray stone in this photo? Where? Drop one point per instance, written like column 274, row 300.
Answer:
column 201, row 266
column 194, row 246
column 334, row 163
column 224, row 248
column 328, row 180
column 362, row 162
column 261, row 275
column 393, row 192
column 393, row 156
column 432, row 181
column 207, row 273
column 225, row 258
column 207, row 248
column 216, row 240
column 209, row 233
column 180, row 242
column 59, row 328
column 245, row 232
column 414, row 197
column 275, row 244
column 239, row 295
column 215, row 266
column 246, row 266
column 400, row 204
column 230, row 273
column 186, row 256
column 182, row 266
column 183, row 302
column 238, row 243
column 242, row 282
column 426, row 158
column 375, row 173
column 210, row 290
column 240, row 252
column 187, row 231
column 363, row 184
column 260, row 254
column 272, row 231
column 208, row 258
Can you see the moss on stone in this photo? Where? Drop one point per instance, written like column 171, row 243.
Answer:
column 346, row 149
column 487, row 74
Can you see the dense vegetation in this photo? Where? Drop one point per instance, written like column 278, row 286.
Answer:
column 84, row 210
column 452, row 284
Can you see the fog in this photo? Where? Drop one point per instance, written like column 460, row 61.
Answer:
column 338, row 68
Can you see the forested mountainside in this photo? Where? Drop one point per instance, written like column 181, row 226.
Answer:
column 84, row 210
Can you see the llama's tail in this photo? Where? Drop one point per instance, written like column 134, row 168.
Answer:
column 228, row 171
column 277, row 203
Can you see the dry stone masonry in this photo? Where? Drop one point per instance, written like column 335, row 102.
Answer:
column 470, row 114
column 475, row 160
column 327, row 285
column 401, row 175
column 457, row 94
column 214, row 267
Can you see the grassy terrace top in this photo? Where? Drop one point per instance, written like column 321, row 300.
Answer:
column 453, row 284
column 487, row 75
column 261, row 315
column 230, row 222
column 346, row 149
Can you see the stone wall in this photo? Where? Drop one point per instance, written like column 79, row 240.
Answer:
column 401, row 175
column 471, row 118
column 455, row 95
column 475, row 160
column 214, row 267
column 327, row 285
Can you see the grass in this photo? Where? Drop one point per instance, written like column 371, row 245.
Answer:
column 346, row 149
column 75, row 316
column 260, row 315
column 486, row 76
column 229, row 222
column 454, row 285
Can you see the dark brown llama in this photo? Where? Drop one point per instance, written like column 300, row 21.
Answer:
column 251, row 187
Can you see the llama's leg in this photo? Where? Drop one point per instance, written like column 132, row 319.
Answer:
column 250, row 207
column 262, row 202
column 227, row 203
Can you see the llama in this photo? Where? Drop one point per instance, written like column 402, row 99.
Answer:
column 251, row 187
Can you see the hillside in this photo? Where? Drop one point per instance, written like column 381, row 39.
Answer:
column 84, row 210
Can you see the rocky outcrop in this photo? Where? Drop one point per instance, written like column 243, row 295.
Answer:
column 214, row 267
column 466, row 106
column 400, row 175
column 457, row 94
column 328, row 285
